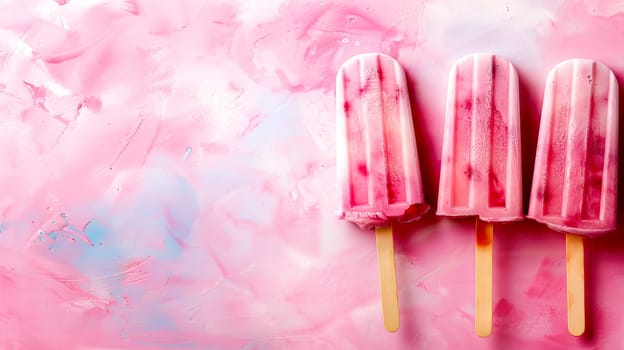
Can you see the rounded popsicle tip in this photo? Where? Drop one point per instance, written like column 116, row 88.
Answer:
column 569, row 64
column 580, row 61
column 479, row 57
column 468, row 62
column 367, row 56
column 367, row 59
column 475, row 55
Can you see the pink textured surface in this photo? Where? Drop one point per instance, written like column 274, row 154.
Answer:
column 168, row 177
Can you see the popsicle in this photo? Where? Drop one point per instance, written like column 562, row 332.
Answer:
column 575, row 178
column 480, row 171
column 379, row 181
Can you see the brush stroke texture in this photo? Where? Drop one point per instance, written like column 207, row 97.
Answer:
column 152, row 198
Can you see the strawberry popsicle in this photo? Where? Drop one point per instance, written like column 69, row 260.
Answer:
column 379, row 180
column 480, row 171
column 378, row 170
column 575, row 178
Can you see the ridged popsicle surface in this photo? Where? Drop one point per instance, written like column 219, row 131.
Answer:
column 575, row 178
column 379, row 178
column 480, row 171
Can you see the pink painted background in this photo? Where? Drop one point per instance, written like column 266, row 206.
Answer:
column 167, row 177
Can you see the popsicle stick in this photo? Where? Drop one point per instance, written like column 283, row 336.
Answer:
column 576, row 284
column 483, row 278
column 387, row 278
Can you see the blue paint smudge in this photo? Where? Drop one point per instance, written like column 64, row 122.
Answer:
column 258, row 208
column 104, row 250
column 280, row 123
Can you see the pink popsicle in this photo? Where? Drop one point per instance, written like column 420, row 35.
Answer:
column 480, row 171
column 575, row 179
column 378, row 171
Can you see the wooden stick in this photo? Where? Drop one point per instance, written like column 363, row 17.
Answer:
column 387, row 278
column 576, row 284
column 483, row 278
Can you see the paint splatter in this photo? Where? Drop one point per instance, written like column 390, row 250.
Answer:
column 168, row 177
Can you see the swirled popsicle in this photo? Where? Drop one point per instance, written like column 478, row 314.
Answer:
column 480, row 172
column 379, row 179
column 575, row 177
